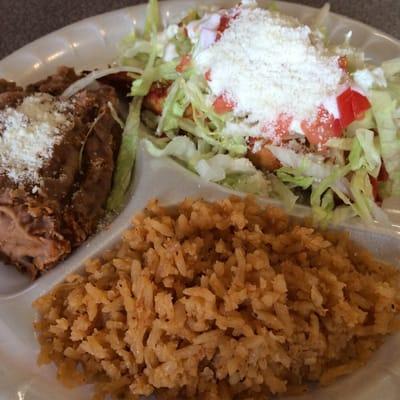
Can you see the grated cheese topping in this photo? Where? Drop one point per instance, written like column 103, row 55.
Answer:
column 28, row 134
column 268, row 64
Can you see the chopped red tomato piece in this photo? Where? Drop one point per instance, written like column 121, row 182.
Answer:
column 375, row 188
column 352, row 106
column 223, row 104
column 207, row 75
column 282, row 125
column 278, row 129
column 323, row 128
column 345, row 106
column 360, row 104
column 184, row 63
column 343, row 63
column 383, row 174
column 223, row 25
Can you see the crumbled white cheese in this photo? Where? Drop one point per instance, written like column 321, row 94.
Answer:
column 241, row 128
column 249, row 3
column 257, row 146
column 330, row 104
column 367, row 79
column 268, row 65
column 28, row 134
column 170, row 52
column 295, row 126
column 165, row 44
column 167, row 34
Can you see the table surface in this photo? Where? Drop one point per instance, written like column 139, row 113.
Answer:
column 22, row 21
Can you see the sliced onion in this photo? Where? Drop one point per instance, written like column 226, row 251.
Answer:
column 93, row 76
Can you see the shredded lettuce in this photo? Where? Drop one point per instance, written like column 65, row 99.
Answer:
column 323, row 214
column 371, row 158
column 167, row 108
column 141, row 87
column 318, row 191
column 180, row 147
column 150, row 119
column 321, row 17
column 192, row 15
column 345, row 144
column 383, row 108
column 235, row 146
column 342, row 214
column 367, row 122
column 391, row 67
column 166, row 71
column 255, row 183
column 126, row 157
column 193, row 91
column 294, row 177
column 152, row 23
column 152, row 73
column 211, row 167
column 307, row 163
column 218, row 167
column 281, row 191
column 182, row 43
column 319, row 24
column 134, row 51
column 362, row 193
column 364, row 151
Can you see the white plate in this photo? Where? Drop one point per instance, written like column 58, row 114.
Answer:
column 92, row 43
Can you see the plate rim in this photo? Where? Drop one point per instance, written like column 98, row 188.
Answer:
column 166, row 3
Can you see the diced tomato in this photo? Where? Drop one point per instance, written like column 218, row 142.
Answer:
column 223, row 25
column 282, row 125
column 207, row 75
column 383, row 174
column 375, row 188
column 323, row 128
column 345, row 106
column 278, row 129
column 352, row 106
column 223, row 104
column 360, row 104
column 184, row 63
column 337, row 128
column 343, row 63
